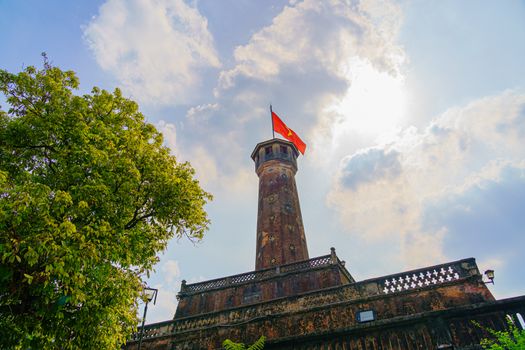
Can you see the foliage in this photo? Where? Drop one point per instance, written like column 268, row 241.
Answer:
column 258, row 345
column 513, row 339
column 88, row 197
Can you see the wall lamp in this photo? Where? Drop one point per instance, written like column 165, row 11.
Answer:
column 490, row 276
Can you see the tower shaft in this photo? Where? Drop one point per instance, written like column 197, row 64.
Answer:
column 280, row 231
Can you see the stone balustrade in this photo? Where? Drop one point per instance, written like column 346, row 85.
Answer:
column 406, row 282
column 259, row 275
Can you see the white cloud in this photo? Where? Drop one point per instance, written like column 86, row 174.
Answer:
column 370, row 165
column 305, row 61
column 423, row 248
column 383, row 191
column 155, row 48
column 322, row 35
column 170, row 270
column 164, row 308
column 325, row 64
column 237, row 181
column 169, row 132
column 202, row 113
column 204, row 164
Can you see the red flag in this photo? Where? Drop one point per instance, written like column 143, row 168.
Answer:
column 280, row 127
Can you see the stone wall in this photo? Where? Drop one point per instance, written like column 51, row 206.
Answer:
column 415, row 317
column 263, row 285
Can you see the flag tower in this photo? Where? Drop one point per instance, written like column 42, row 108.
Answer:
column 280, row 231
column 306, row 303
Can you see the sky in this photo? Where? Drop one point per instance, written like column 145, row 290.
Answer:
column 413, row 113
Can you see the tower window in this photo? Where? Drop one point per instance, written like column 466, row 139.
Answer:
column 284, row 149
column 268, row 150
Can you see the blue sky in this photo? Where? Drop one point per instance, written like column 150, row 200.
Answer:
column 413, row 113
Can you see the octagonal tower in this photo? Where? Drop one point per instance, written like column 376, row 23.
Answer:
column 280, row 231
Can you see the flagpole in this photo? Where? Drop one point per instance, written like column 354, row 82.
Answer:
column 271, row 116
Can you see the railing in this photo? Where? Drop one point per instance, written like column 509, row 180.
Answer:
column 409, row 280
column 429, row 276
column 259, row 275
column 308, row 264
column 413, row 279
column 154, row 330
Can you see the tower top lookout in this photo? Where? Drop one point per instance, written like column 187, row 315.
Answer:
column 275, row 149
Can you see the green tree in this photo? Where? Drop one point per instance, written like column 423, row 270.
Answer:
column 258, row 345
column 88, row 197
column 513, row 339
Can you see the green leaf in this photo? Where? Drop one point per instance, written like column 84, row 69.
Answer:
column 230, row 345
column 512, row 339
column 29, row 278
column 90, row 197
column 259, row 344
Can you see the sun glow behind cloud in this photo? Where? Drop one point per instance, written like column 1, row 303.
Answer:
column 450, row 166
column 374, row 104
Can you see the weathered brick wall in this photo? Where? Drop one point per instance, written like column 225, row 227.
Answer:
column 321, row 313
column 278, row 285
column 310, row 317
column 420, row 331
column 334, row 327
